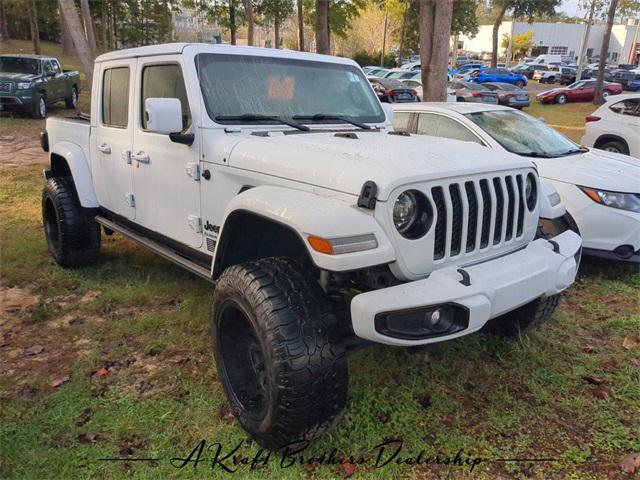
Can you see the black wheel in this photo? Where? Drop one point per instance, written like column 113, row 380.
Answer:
column 73, row 236
column 551, row 80
column 276, row 343
column 561, row 99
column 71, row 102
column 520, row 83
column 615, row 146
column 526, row 318
column 40, row 107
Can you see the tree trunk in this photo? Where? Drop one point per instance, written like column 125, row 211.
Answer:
column 76, row 30
column 404, row 27
column 65, row 37
column 232, row 21
column 276, row 32
column 248, row 11
column 435, row 30
column 4, row 31
column 114, row 26
column 598, row 99
column 103, row 26
column 33, row 24
column 300, row 27
column 88, row 26
column 496, row 30
column 322, row 26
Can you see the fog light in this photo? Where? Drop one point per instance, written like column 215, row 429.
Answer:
column 424, row 322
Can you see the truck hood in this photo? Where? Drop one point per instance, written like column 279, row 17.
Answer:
column 595, row 169
column 333, row 161
column 18, row 77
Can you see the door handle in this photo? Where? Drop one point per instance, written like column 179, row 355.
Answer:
column 104, row 148
column 140, row 157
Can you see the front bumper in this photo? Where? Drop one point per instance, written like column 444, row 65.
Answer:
column 495, row 287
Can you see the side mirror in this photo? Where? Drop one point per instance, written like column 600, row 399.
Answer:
column 164, row 115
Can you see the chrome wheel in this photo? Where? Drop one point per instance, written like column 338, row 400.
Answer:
column 42, row 107
column 74, row 98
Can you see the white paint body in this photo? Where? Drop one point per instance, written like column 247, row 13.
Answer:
column 309, row 182
column 601, row 227
column 612, row 124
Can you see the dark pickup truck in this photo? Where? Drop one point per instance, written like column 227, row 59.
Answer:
column 29, row 83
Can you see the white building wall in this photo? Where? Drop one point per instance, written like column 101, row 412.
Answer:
column 551, row 35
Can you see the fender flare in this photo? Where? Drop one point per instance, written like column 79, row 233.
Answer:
column 547, row 210
column 307, row 214
column 80, row 172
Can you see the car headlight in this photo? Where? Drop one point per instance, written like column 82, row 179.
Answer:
column 622, row 201
column 23, row 85
column 412, row 214
column 531, row 192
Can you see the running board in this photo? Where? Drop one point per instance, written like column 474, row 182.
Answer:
column 156, row 247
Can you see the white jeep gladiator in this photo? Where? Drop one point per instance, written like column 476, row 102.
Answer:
column 276, row 176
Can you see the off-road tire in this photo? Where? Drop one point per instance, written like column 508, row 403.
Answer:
column 72, row 234
column 528, row 317
column 71, row 102
column 295, row 386
column 37, row 107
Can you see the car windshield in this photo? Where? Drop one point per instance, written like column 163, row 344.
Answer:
column 19, row 65
column 522, row 134
column 237, row 85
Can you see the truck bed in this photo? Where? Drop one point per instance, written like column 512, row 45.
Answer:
column 75, row 130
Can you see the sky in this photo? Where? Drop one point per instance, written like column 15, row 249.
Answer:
column 571, row 8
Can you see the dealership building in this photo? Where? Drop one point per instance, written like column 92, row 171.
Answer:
column 563, row 39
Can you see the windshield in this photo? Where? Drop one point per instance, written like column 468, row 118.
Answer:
column 520, row 133
column 234, row 85
column 19, row 65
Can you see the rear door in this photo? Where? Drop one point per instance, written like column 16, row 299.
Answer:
column 165, row 174
column 111, row 144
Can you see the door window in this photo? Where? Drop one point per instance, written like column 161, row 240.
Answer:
column 165, row 81
column 401, row 121
column 56, row 67
column 115, row 97
column 441, row 126
column 48, row 69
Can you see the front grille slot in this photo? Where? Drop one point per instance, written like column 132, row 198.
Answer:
column 477, row 215
column 5, row 87
column 441, row 223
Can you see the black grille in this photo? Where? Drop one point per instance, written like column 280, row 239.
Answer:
column 473, row 215
column 441, row 223
column 486, row 213
column 5, row 87
column 520, row 206
column 456, row 221
column 511, row 206
column 497, row 233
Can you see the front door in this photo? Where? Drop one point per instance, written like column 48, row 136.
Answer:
column 165, row 174
column 111, row 144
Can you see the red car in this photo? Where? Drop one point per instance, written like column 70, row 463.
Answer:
column 582, row 91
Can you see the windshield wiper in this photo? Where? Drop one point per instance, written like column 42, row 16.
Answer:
column 574, row 151
column 535, row 154
column 326, row 116
column 256, row 117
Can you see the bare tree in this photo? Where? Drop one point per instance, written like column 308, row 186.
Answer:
column 232, row 21
column 322, row 26
column 598, row 99
column 4, row 31
column 76, row 30
column 88, row 26
column 33, row 25
column 300, row 27
column 435, row 30
column 248, row 12
column 65, row 38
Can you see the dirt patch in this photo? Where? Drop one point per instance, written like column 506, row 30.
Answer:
column 34, row 356
column 21, row 150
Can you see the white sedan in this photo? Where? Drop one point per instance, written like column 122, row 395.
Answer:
column 601, row 190
column 615, row 126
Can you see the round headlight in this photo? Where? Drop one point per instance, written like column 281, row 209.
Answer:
column 531, row 192
column 412, row 214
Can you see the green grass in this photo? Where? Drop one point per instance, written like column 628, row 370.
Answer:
column 147, row 322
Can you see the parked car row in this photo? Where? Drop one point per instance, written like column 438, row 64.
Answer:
column 582, row 91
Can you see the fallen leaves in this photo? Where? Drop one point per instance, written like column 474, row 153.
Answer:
column 87, row 438
column 143, row 386
column 602, row 392
column 35, row 350
column 101, row 373
column 588, row 349
column 59, row 381
column 593, row 380
column 631, row 342
column 631, row 463
column 348, row 469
